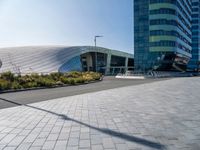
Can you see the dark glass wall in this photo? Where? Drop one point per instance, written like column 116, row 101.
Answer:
column 194, row 62
column 117, row 61
column 141, row 34
column 162, row 30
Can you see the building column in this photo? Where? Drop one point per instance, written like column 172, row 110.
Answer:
column 126, row 64
column 108, row 64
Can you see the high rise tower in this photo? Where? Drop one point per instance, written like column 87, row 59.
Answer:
column 162, row 34
column 194, row 62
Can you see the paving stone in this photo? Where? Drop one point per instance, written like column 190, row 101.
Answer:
column 75, row 129
column 108, row 143
column 35, row 148
column 30, row 138
column 52, row 137
column 2, row 147
column 73, row 142
column 16, row 141
column 95, row 140
column 84, row 143
column 56, row 129
column 121, row 147
column 24, row 146
column 2, row 135
column 39, row 142
column 72, row 148
column 63, row 136
column 74, row 134
column 60, row 145
column 43, row 135
column 85, row 136
column 10, row 148
column 7, row 139
column 25, row 132
column 7, row 130
column 49, row 145
column 16, row 131
column 85, row 130
column 97, row 147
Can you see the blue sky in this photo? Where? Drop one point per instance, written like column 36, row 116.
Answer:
column 67, row 22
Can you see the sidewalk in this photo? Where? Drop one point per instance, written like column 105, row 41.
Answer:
column 159, row 115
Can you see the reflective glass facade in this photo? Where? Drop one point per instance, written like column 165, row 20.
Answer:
column 162, row 34
column 193, row 64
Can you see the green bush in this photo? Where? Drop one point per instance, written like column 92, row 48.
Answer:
column 8, row 76
column 34, row 76
column 16, row 85
column 21, row 80
column 56, row 76
column 73, row 74
column 94, row 75
column 79, row 80
column 30, row 85
column 87, row 77
column 44, row 81
column 72, row 81
column 4, row 84
column 64, row 80
column 9, row 81
column 24, row 79
column 59, row 83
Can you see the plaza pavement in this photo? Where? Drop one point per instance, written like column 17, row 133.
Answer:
column 33, row 96
column 158, row 115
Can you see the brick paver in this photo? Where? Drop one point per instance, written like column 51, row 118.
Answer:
column 159, row 115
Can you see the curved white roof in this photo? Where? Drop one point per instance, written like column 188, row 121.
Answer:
column 44, row 58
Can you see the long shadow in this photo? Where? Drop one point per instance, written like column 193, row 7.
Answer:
column 124, row 136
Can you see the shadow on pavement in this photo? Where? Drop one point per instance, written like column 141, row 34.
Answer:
column 124, row 136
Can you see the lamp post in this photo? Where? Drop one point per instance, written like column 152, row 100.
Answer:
column 95, row 39
column 95, row 44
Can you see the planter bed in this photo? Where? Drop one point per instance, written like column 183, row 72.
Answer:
column 13, row 83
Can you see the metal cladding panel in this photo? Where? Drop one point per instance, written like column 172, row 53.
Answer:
column 46, row 59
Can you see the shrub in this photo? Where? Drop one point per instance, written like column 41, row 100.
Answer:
column 71, row 81
column 79, row 80
column 25, row 79
column 21, row 80
column 16, row 85
column 9, row 81
column 87, row 77
column 94, row 75
column 34, row 76
column 4, row 84
column 64, row 80
column 30, row 85
column 59, row 83
column 8, row 76
column 44, row 81
column 56, row 76
column 73, row 74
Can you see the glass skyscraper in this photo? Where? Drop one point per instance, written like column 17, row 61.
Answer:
column 162, row 34
column 194, row 62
